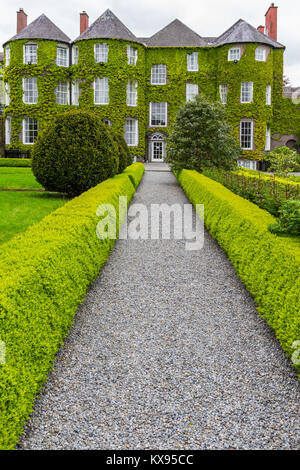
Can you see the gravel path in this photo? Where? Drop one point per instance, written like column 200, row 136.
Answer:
column 168, row 352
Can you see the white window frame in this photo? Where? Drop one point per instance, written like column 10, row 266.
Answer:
column 159, row 74
column 191, row 91
column 7, row 130
column 131, row 135
column 103, row 92
column 30, row 90
column 75, row 55
column 75, row 93
column 152, row 105
column 251, row 134
column 223, row 90
column 246, row 92
column 62, row 60
column 7, row 94
column 249, row 164
column 234, row 54
column 268, row 95
column 7, row 56
column 60, row 92
column 260, row 54
column 24, row 131
column 132, row 54
column 268, row 139
column 30, row 53
column 101, row 51
column 131, row 93
column 192, row 62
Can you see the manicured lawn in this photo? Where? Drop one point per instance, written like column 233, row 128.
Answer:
column 19, row 210
column 17, row 178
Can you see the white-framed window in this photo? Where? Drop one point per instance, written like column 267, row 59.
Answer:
column 223, row 89
column 131, row 132
column 7, row 56
column 30, row 130
column 8, row 130
column 234, row 54
column 159, row 74
column 101, row 52
column 101, row 91
column 191, row 91
column 7, row 96
column 158, row 114
column 62, row 93
column 268, row 139
column 249, row 164
column 75, row 55
column 131, row 97
column 247, row 92
column 260, row 54
column 192, row 62
column 30, row 90
column 75, row 93
column 132, row 55
column 62, row 56
column 30, row 54
column 268, row 95
column 246, row 135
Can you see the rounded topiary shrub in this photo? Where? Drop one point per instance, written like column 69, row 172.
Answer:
column 74, row 153
column 125, row 157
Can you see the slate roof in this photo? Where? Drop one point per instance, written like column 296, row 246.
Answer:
column 176, row 34
column 107, row 26
column 242, row 32
column 42, row 28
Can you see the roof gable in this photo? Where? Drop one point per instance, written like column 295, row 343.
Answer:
column 42, row 28
column 107, row 26
column 176, row 34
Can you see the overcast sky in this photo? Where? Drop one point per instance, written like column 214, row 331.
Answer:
column 145, row 17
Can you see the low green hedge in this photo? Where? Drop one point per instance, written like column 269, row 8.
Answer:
column 44, row 276
column 135, row 175
column 268, row 265
column 15, row 162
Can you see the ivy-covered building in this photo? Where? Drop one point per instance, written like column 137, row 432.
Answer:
column 136, row 85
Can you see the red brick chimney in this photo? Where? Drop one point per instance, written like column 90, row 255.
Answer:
column 21, row 20
column 84, row 21
column 271, row 22
column 261, row 29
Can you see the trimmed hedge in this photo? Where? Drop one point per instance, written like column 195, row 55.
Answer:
column 15, row 162
column 135, row 173
column 44, row 276
column 268, row 265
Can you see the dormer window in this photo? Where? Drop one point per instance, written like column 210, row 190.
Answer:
column 30, row 54
column 101, row 52
column 132, row 55
column 192, row 62
column 62, row 56
column 234, row 54
column 75, row 54
column 260, row 54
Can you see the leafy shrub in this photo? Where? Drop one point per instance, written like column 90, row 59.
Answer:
column 200, row 137
column 282, row 160
column 45, row 273
column 74, row 153
column 289, row 219
column 124, row 154
column 268, row 265
column 15, row 162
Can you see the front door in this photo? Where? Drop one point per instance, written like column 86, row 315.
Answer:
column 157, row 150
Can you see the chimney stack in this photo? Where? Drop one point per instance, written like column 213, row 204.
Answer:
column 84, row 21
column 271, row 22
column 261, row 29
column 21, row 20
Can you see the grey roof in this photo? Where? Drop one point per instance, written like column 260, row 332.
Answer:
column 41, row 28
column 1, row 56
column 107, row 26
column 243, row 32
column 176, row 34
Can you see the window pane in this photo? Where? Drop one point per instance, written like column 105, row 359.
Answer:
column 158, row 114
column 62, row 56
column 246, row 135
column 75, row 93
column 191, row 91
column 132, row 55
column 223, row 93
column 247, row 92
column 30, row 130
column 158, row 74
column 260, row 54
column 75, row 53
column 30, row 95
column 30, row 54
column 101, row 91
column 234, row 54
column 101, row 52
column 62, row 93
column 192, row 62
column 131, row 93
column 131, row 132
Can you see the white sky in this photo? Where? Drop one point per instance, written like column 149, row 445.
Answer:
column 145, row 17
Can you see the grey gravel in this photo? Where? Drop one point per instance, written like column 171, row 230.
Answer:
column 168, row 352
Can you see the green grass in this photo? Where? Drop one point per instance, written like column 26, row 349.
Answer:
column 18, row 178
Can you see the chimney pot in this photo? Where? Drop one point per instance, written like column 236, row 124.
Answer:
column 21, row 20
column 84, row 21
column 261, row 29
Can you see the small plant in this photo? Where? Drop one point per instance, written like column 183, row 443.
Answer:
column 282, row 161
column 289, row 219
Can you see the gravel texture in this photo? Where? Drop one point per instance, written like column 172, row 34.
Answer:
column 167, row 352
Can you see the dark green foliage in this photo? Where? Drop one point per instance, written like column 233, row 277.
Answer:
column 124, row 154
column 74, row 153
column 289, row 219
column 200, row 137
